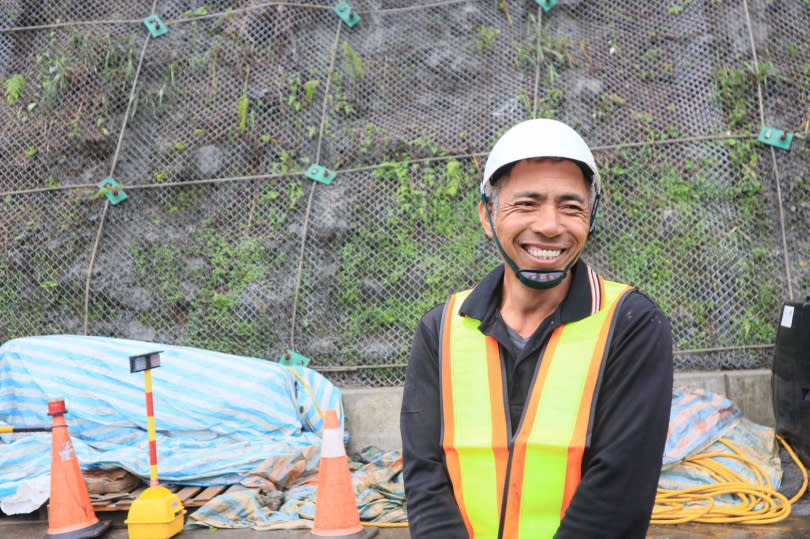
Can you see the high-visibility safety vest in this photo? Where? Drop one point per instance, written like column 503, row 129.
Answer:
column 520, row 488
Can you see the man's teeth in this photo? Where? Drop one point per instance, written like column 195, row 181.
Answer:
column 543, row 253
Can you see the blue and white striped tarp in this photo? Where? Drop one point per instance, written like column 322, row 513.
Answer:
column 699, row 419
column 217, row 415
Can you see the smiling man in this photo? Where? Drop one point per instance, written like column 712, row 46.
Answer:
column 537, row 404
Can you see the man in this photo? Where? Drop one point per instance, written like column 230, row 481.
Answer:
column 537, row 404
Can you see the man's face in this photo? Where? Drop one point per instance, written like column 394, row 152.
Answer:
column 543, row 215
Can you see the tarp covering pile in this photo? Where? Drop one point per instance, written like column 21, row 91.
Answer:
column 377, row 482
column 700, row 418
column 218, row 416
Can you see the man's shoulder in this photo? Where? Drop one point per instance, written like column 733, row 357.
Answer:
column 638, row 301
column 433, row 318
column 639, row 317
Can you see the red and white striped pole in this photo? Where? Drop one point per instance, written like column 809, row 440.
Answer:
column 150, row 427
column 145, row 363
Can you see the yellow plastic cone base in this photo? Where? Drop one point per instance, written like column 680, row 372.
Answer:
column 156, row 514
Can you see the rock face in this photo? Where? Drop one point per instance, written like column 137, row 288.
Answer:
column 209, row 160
column 5, row 53
column 344, row 271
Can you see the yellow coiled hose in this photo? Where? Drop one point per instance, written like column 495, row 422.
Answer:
column 758, row 503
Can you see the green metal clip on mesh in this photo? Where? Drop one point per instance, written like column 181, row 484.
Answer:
column 775, row 137
column 155, row 25
column 112, row 191
column 293, row 359
column 321, row 174
column 345, row 12
column 546, row 4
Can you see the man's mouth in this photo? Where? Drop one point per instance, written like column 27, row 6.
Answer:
column 543, row 254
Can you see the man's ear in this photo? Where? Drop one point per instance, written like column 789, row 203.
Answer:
column 482, row 215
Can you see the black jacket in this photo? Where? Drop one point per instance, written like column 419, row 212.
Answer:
column 620, row 467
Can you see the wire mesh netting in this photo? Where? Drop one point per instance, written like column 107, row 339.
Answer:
column 211, row 234
column 208, row 265
column 46, row 239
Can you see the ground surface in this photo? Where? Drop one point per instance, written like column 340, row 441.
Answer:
column 794, row 527
column 797, row 525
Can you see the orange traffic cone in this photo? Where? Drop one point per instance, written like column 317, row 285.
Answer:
column 70, row 513
column 335, row 505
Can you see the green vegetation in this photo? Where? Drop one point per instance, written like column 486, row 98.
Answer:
column 198, row 12
column 207, row 298
column 485, row 39
column 353, row 62
column 429, row 219
column 242, row 104
column 38, row 250
column 301, row 93
column 735, row 95
column 551, row 57
column 310, row 87
column 711, row 246
column 14, row 87
column 346, row 86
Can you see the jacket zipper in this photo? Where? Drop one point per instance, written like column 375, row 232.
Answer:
column 505, row 490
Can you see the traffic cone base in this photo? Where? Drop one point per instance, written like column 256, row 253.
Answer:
column 70, row 513
column 336, row 512
column 95, row 530
column 366, row 533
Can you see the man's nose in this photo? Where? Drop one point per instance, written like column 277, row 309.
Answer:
column 547, row 221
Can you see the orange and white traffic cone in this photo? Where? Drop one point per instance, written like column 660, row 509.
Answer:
column 70, row 513
column 336, row 512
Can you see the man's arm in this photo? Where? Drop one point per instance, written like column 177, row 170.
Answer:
column 432, row 509
column 621, row 469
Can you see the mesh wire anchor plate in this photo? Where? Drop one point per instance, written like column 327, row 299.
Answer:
column 345, row 12
column 321, row 174
column 155, row 25
column 775, row 137
column 546, row 4
column 293, row 359
column 112, row 191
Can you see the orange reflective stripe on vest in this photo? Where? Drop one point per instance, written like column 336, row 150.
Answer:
column 548, row 446
column 475, row 450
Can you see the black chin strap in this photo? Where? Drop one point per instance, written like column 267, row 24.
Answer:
column 537, row 279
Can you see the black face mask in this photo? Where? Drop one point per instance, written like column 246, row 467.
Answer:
column 537, row 279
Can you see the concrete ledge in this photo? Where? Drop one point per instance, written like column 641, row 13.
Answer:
column 710, row 381
column 372, row 415
column 750, row 390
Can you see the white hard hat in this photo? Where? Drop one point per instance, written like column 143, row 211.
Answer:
column 540, row 137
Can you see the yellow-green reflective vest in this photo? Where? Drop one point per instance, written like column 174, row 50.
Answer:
column 546, row 451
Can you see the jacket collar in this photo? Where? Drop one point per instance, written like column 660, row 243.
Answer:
column 583, row 299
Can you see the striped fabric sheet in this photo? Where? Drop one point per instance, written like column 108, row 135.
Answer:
column 217, row 415
column 755, row 441
column 377, row 482
column 699, row 418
